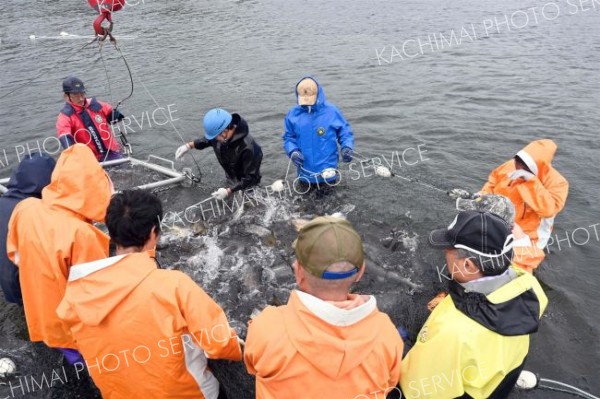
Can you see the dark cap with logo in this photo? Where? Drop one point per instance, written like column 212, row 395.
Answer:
column 480, row 232
column 73, row 85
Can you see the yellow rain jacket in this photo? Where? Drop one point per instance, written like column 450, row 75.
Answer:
column 310, row 348
column 145, row 332
column 47, row 236
column 471, row 342
column 537, row 201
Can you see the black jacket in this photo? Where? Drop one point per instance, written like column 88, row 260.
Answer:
column 240, row 156
column 27, row 180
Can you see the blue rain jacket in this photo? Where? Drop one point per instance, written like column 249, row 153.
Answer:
column 315, row 131
column 27, row 180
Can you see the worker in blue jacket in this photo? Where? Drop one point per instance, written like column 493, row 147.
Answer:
column 313, row 129
column 28, row 179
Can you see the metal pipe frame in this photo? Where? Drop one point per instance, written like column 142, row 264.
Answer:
column 175, row 176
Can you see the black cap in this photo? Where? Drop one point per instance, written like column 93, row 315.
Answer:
column 73, row 85
column 481, row 232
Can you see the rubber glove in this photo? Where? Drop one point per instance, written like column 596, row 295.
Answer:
column 221, row 193
column 521, row 174
column 297, row 158
column 182, row 150
column 347, row 154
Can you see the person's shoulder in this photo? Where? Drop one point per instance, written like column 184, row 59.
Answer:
column 556, row 177
column 294, row 111
column 448, row 320
column 174, row 278
column 270, row 318
column 29, row 208
column 83, row 232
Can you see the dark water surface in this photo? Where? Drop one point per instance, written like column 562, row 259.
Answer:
column 514, row 71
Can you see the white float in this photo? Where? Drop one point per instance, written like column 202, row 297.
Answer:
column 7, row 367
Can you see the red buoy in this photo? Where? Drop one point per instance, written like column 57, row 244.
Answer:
column 107, row 5
column 105, row 8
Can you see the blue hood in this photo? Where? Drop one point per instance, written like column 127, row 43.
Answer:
column 30, row 176
column 320, row 95
column 316, row 131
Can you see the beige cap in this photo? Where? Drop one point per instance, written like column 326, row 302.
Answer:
column 327, row 240
column 307, row 92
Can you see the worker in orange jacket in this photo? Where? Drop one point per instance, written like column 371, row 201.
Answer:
column 144, row 332
column 538, row 192
column 48, row 235
column 326, row 342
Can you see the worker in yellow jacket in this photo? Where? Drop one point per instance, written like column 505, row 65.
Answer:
column 326, row 342
column 474, row 343
column 49, row 235
column 144, row 332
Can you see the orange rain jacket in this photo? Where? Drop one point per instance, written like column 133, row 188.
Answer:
column 310, row 348
column 537, row 201
column 47, row 236
column 145, row 332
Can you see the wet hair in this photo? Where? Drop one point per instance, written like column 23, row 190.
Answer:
column 487, row 266
column 130, row 217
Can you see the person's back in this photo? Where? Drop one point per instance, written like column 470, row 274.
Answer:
column 27, row 180
column 143, row 331
column 325, row 343
column 47, row 236
column 457, row 353
column 474, row 343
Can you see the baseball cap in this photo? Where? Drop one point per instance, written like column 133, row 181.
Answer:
column 327, row 240
column 497, row 204
column 73, row 85
column 307, row 92
column 483, row 233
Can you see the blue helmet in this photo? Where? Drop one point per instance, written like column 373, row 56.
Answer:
column 73, row 85
column 215, row 121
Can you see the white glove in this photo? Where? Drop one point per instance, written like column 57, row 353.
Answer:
column 181, row 151
column 220, row 194
column 521, row 174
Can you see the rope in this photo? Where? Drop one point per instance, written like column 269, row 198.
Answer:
column 169, row 119
column 128, row 71
column 565, row 388
column 370, row 160
column 100, row 47
column 48, row 70
column 421, row 183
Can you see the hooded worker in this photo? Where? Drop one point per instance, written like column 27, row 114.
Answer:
column 236, row 150
column 538, row 193
column 47, row 236
column 144, row 332
column 326, row 342
column 474, row 343
column 27, row 180
column 313, row 129
column 87, row 121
